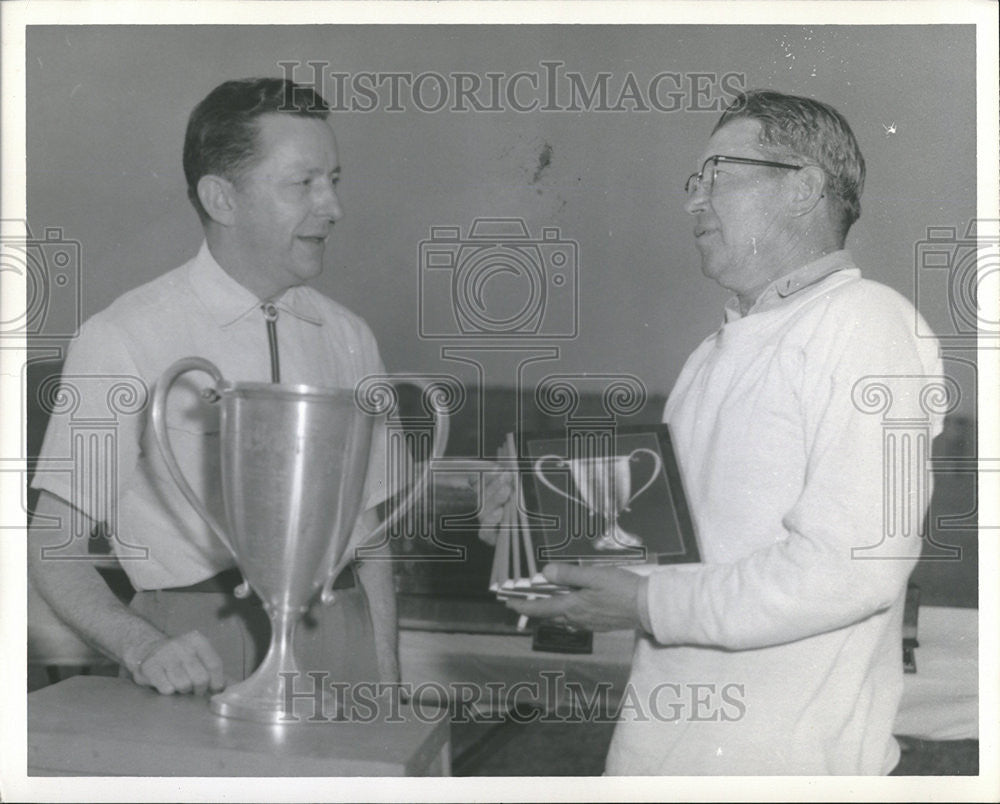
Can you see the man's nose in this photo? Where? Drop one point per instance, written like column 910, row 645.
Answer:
column 696, row 201
column 327, row 204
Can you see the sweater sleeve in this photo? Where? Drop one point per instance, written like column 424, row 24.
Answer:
column 846, row 547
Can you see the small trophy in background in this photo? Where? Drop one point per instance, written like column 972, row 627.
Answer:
column 604, row 485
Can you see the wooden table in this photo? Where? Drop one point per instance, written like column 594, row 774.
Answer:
column 100, row 726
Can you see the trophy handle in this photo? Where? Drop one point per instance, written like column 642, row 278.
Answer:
column 441, row 428
column 541, row 476
column 159, row 417
column 657, row 466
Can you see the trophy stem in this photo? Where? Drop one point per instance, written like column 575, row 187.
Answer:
column 280, row 657
column 278, row 692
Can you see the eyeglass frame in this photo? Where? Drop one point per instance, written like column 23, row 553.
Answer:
column 735, row 160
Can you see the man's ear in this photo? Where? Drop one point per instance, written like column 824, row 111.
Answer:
column 217, row 197
column 808, row 187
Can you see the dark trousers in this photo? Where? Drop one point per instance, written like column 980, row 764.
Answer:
column 336, row 639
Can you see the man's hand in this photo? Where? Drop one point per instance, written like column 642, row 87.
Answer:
column 605, row 599
column 184, row 664
column 79, row 597
column 497, row 490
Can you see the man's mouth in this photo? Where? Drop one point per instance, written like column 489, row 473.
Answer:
column 701, row 231
column 318, row 239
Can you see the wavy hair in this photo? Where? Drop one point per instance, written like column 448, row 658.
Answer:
column 812, row 131
column 221, row 136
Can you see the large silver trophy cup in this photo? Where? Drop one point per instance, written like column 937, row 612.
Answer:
column 604, row 485
column 293, row 460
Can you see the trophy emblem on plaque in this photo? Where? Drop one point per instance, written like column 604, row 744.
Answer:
column 293, row 461
column 604, row 486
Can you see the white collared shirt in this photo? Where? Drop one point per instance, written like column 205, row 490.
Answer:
column 196, row 309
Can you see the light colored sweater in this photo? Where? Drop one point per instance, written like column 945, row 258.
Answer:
column 781, row 652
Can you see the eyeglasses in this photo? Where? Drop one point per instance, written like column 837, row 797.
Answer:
column 698, row 180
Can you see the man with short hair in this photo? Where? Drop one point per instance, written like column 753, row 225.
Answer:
column 780, row 653
column 262, row 169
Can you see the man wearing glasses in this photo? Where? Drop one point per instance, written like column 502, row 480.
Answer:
column 781, row 652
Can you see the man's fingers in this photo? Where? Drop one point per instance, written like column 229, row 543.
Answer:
column 178, row 675
column 545, row 609
column 573, row 575
column 208, row 660
column 196, row 674
column 560, row 605
column 603, row 598
column 155, row 675
column 497, row 490
column 185, row 664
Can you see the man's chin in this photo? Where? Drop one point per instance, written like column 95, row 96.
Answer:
column 722, row 275
column 308, row 270
column 710, row 269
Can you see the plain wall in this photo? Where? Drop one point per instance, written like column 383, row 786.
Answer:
column 107, row 108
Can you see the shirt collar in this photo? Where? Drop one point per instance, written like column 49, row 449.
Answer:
column 775, row 294
column 228, row 301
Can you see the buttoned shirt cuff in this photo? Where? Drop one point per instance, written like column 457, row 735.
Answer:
column 642, row 595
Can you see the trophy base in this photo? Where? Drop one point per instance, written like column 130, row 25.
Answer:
column 617, row 539
column 302, row 708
